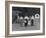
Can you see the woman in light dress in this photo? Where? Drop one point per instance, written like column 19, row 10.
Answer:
column 26, row 21
column 32, row 21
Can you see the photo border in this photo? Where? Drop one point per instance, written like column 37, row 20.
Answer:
column 7, row 3
column 27, row 31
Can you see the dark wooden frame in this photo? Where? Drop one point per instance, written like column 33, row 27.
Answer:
column 7, row 19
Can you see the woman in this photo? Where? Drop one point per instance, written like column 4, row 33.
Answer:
column 32, row 22
column 26, row 22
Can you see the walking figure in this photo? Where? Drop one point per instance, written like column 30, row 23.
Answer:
column 32, row 23
column 26, row 22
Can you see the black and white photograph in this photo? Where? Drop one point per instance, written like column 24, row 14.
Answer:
column 25, row 18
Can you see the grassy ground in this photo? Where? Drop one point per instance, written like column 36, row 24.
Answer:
column 17, row 27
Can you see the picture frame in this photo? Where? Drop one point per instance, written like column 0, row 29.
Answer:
column 8, row 19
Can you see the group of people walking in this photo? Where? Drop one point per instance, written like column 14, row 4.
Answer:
column 26, row 21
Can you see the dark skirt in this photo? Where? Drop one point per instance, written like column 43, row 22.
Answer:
column 25, row 24
column 32, row 22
